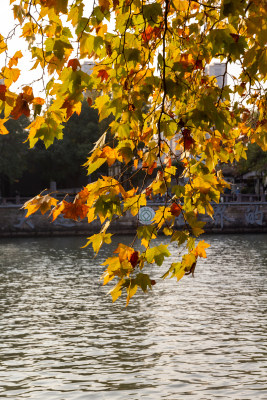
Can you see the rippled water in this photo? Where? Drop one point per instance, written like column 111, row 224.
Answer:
column 61, row 338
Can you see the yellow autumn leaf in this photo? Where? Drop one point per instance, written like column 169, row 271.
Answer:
column 3, row 129
column 200, row 249
column 11, row 75
column 14, row 60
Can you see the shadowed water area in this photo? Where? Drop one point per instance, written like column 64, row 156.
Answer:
column 61, row 338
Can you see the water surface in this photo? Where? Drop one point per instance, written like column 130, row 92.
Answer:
column 61, row 338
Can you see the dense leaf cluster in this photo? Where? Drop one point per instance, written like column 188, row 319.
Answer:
column 150, row 76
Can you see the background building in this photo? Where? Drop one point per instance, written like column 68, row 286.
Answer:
column 217, row 70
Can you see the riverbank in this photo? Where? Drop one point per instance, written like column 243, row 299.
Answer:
column 250, row 217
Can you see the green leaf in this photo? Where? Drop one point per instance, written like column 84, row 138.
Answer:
column 144, row 281
column 157, row 254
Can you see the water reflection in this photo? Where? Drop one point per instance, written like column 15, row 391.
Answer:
column 61, row 337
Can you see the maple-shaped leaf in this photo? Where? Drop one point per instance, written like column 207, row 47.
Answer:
column 102, row 73
column 74, row 64
column 110, row 154
column 125, row 252
column 42, row 203
column 200, row 249
column 21, row 107
column 14, row 60
column 157, row 254
column 176, row 209
column 98, row 240
column 75, row 210
column 11, row 75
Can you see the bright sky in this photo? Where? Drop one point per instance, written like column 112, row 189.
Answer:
column 6, row 24
column 28, row 76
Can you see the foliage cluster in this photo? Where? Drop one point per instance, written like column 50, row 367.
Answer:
column 150, row 69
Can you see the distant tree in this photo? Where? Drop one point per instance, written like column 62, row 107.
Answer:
column 62, row 161
column 13, row 151
column 256, row 160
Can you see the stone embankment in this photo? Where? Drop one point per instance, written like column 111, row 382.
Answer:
column 228, row 218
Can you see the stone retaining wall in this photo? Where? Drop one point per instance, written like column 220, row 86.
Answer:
column 228, row 217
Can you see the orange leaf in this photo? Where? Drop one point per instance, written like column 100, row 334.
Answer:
column 104, row 5
column 176, row 209
column 15, row 58
column 20, row 108
column 74, row 64
column 75, row 210
column 200, row 249
column 110, row 154
column 151, row 169
column 125, row 252
column 147, row 34
column 136, row 163
column 89, row 101
column 48, row 3
column 38, row 100
column 102, row 73
column 28, row 94
column 83, row 195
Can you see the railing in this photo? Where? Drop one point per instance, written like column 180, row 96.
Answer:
column 225, row 198
column 18, row 200
column 242, row 198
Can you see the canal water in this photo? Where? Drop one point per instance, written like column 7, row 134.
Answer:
column 61, row 338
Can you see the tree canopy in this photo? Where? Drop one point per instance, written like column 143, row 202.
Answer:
column 26, row 172
column 151, row 59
